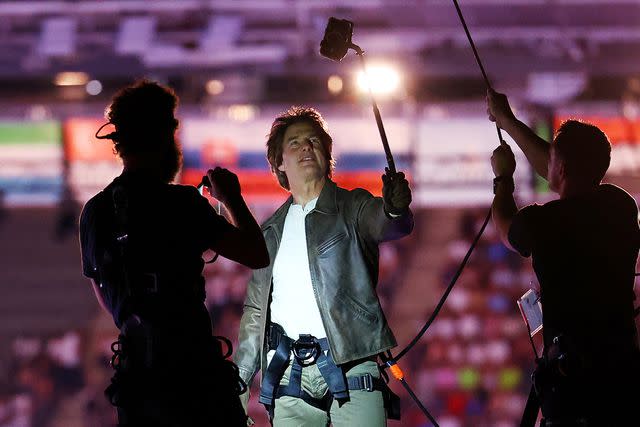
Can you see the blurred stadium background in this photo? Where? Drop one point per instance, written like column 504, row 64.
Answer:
column 237, row 63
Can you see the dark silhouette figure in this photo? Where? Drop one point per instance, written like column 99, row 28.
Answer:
column 142, row 242
column 584, row 248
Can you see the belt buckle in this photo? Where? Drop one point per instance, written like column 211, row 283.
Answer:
column 367, row 382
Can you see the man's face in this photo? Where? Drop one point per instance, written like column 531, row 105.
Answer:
column 303, row 155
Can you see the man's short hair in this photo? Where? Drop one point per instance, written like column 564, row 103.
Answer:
column 584, row 149
column 143, row 115
column 276, row 135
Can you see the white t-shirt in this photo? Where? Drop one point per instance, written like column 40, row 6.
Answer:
column 293, row 303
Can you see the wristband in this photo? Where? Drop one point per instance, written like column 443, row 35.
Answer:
column 504, row 181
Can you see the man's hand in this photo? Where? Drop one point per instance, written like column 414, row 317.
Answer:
column 395, row 193
column 224, row 185
column 498, row 109
column 503, row 161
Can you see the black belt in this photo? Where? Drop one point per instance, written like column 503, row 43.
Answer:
column 307, row 351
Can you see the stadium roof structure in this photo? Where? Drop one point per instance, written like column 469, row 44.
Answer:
column 590, row 45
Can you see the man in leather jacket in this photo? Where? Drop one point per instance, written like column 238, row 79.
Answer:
column 320, row 286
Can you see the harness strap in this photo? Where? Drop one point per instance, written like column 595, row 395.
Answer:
column 275, row 371
column 307, row 351
column 332, row 374
column 366, row 382
column 324, row 404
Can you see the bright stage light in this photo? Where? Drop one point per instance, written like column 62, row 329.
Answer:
column 94, row 87
column 71, row 78
column 214, row 87
column 383, row 79
column 334, row 84
column 242, row 112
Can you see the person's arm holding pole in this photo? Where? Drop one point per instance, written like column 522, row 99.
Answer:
column 535, row 148
column 246, row 244
column 503, row 208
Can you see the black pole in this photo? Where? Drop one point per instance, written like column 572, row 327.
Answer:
column 376, row 113
column 475, row 54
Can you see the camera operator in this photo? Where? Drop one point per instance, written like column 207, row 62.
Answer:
column 142, row 240
column 584, row 248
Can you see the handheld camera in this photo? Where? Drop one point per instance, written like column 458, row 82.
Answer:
column 335, row 45
column 337, row 39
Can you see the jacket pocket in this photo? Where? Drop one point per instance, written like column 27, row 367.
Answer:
column 359, row 308
column 331, row 242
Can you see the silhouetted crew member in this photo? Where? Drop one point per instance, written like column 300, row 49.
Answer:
column 312, row 319
column 584, row 248
column 142, row 242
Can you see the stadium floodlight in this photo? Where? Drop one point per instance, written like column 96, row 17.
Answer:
column 71, row 78
column 382, row 79
column 334, row 84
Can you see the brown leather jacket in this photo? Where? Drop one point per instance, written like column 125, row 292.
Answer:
column 343, row 233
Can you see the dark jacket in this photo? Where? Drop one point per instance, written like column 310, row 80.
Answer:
column 343, row 233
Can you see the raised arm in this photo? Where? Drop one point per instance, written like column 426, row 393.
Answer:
column 389, row 217
column 244, row 242
column 503, row 208
column 535, row 148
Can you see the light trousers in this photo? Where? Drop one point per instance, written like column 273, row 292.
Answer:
column 363, row 409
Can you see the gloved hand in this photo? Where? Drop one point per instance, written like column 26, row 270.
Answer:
column 395, row 193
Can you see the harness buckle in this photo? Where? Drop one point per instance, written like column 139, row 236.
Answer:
column 367, row 382
column 306, row 349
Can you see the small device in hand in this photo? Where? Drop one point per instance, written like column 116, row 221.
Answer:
column 337, row 39
column 204, row 183
column 531, row 310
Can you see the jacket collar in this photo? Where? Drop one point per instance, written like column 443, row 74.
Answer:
column 326, row 204
column 327, row 200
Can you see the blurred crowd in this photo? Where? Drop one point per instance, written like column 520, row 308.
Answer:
column 471, row 369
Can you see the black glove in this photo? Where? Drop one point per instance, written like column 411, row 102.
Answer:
column 395, row 193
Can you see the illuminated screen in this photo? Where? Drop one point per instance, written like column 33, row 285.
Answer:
column 31, row 159
column 92, row 163
column 241, row 147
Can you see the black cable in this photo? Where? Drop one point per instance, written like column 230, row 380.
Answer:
column 475, row 54
column 415, row 398
column 475, row 241
column 389, row 359
column 473, row 45
column 453, row 281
